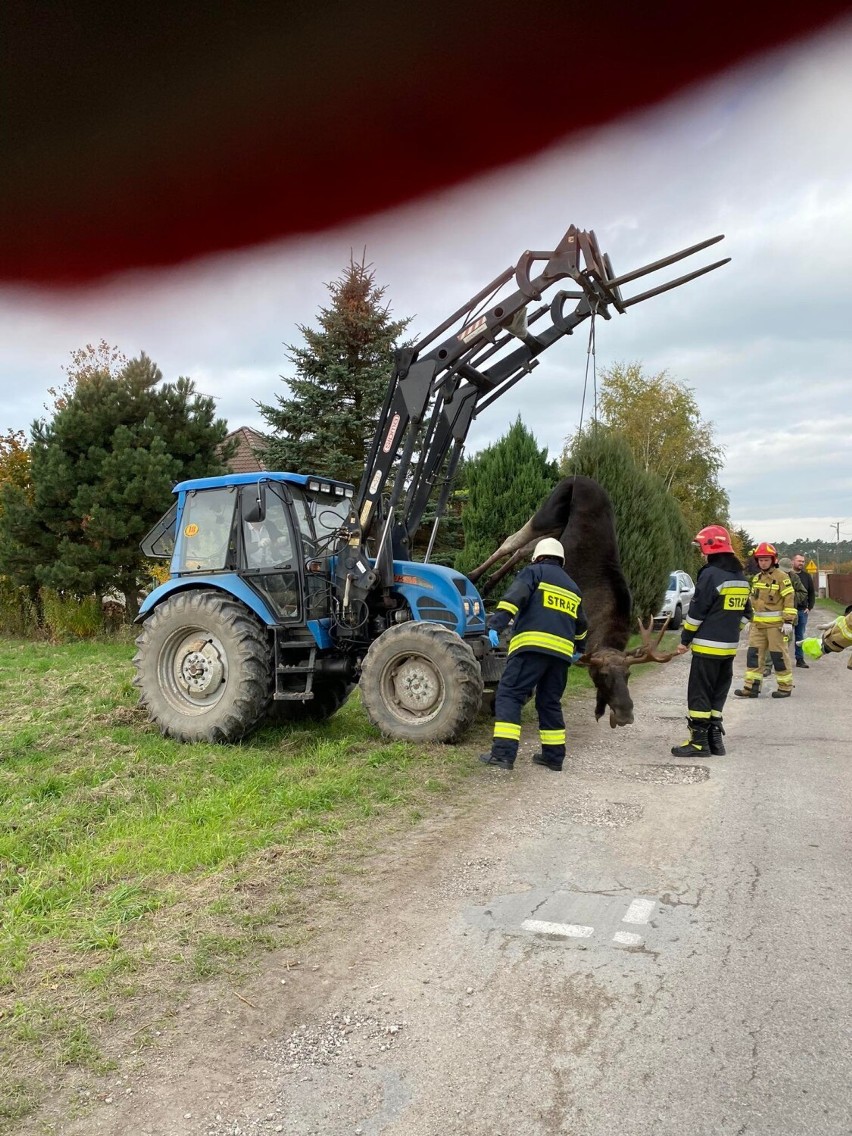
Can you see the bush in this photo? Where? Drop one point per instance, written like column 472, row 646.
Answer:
column 18, row 614
column 65, row 614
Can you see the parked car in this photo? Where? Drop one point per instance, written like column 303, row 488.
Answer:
column 680, row 591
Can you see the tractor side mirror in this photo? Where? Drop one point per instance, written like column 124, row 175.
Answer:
column 257, row 509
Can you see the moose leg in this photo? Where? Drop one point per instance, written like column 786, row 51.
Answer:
column 502, row 571
column 517, row 542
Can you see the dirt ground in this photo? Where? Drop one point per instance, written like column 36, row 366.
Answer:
column 537, row 958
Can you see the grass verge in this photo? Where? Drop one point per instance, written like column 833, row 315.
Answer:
column 132, row 866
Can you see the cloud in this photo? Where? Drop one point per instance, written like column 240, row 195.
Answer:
column 762, row 154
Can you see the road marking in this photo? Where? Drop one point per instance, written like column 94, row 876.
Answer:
column 570, row 930
column 640, row 911
column 627, row 938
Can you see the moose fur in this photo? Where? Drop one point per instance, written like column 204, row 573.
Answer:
column 579, row 514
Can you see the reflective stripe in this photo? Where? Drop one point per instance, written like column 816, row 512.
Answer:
column 544, row 640
column 507, row 730
column 692, row 624
column 715, row 713
column 582, row 635
column 504, row 605
column 732, row 586
column 699, row 713
column 552, row 737
column 715, row 643
column 716, row 652
column 767, row 617
column 755, row 676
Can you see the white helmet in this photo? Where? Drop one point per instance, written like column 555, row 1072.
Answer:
column 550, row 546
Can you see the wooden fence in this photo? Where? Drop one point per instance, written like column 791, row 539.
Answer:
column 840, row 587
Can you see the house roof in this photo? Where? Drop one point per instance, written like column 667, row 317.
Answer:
column 250, row 448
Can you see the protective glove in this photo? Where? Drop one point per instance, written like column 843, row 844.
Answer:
column 812, row 648
column 493, row 638
column 787, row 628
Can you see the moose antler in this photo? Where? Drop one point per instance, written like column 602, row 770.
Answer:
column 646, row 652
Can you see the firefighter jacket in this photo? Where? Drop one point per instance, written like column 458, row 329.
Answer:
column 773, row 598
column 547, row 610
column 839, row 636
column 717, row 612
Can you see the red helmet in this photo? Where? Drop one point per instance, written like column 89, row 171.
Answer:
column 713, row 539
column 766, row 549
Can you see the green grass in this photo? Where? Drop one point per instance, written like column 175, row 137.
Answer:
column 132, row 866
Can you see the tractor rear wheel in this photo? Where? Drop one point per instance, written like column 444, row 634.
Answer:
column 204, row 667
column 421, row 682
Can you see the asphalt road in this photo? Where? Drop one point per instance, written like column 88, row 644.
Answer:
column 641, row 945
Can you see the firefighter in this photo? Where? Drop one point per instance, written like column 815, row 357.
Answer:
column 774, row 617
column 549, row 624
column 716, row 615
column 836, row 637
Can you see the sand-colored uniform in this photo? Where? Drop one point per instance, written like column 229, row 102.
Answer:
column 773, row 602
column 839, row 636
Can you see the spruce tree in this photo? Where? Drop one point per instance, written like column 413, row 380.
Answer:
column 653, row 538
column 506, row 484
column 102, row 471
column 327, row 423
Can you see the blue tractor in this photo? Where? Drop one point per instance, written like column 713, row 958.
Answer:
column 286, row 589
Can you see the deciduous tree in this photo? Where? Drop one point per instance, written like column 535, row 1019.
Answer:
column 661, row 422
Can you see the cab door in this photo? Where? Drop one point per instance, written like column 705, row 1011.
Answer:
column 271, row 551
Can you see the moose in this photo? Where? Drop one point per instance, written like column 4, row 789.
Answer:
column 578, row 513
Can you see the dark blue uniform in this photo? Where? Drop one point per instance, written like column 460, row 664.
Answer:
column 549, row 625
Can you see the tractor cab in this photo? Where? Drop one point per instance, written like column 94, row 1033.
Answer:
column 276, row 531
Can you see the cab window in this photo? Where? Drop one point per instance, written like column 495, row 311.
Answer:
column 206, row 530
column 269, row 543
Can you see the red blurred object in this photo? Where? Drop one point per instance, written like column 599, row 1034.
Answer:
column 143, row 136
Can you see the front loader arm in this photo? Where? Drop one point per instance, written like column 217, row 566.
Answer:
column 441, row 384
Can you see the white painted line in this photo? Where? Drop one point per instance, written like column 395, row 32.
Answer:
column 640, row 911
column 628, row 938
column 570, row 930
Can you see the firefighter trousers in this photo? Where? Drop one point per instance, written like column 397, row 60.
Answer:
column 710, row 680
column 525, row 672
column 763, row 638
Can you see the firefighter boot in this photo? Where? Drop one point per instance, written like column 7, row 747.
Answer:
column 782, row 692
column 715, row 732
column 749, row 692
column 549, row 761
column 696, row 744
column 498, row 760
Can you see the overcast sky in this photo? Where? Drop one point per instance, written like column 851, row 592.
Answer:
column 762, row 154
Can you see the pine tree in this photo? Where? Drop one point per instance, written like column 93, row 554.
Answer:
column 506, row 484
column 653, row 538
column 342, row 375
column 102, row 472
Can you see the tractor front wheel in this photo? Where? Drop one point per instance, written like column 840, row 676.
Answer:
column 203, row 667
column 421, row 682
